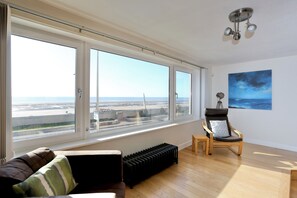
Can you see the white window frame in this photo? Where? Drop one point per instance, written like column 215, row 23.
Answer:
column 83, row 47
column 48, row 37
column 132, row 129
column 195, row 89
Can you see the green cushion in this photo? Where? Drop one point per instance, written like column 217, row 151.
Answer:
column 55, row 178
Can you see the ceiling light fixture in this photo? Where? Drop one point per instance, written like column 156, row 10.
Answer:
column 238, row 16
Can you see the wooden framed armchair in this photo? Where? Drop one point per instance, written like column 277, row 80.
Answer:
column 220, row 132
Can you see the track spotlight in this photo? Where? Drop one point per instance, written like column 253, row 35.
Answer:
column 238, row 16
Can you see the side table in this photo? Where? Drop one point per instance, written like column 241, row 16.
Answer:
column 200, row 138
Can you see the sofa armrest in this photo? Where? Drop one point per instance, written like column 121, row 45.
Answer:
column 95, row 167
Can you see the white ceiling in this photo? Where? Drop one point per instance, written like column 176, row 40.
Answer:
column 195, row 28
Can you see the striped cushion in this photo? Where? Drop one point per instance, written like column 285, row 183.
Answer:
column 55, row 178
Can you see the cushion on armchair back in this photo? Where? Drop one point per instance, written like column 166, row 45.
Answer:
column 217, row 121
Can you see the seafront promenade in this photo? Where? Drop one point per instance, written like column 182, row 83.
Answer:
column 30, row 119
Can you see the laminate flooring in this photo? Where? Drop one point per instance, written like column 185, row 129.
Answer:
column 259, row 172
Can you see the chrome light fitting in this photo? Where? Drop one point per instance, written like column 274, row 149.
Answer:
column 237, row 16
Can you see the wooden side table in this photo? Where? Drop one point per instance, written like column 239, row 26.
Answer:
column 200, row 138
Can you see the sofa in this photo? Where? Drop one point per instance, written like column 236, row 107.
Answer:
column 98, row 171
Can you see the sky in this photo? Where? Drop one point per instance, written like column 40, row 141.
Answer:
column 121, row 76
column 251, row 85
column 41, row 69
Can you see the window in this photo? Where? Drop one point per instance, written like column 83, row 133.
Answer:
column 43, row 88
column 66, row 90
column 126, row 92
column 183, row 94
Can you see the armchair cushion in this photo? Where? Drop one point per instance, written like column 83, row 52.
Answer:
column 219, row 128
column 228, row 139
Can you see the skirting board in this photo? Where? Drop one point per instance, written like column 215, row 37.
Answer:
column 252, row 141
column 184, row 145
column 271, row 144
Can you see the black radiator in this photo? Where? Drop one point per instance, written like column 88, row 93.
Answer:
column 143, row 164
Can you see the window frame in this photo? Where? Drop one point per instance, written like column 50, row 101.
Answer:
column 126, row 53
column 83, row 46
column 49, row 37
column 193, row 97
column 173, row 119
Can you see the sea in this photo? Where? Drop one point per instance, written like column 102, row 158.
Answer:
column 62, row 100
column 265, row 104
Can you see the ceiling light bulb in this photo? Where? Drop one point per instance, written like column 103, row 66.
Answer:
column 236, row 36
column 228, row 31
column 251, row 27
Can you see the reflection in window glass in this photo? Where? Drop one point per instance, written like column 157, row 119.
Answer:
column 183, row 94
column 126, row 92
column 43, row 88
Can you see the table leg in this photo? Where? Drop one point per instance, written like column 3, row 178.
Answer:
column 193, row 143
column 207, row 146
column 196, row 146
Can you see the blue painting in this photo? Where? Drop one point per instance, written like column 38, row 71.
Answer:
column 251, row 90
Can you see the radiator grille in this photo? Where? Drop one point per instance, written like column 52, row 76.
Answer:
column 143, row 164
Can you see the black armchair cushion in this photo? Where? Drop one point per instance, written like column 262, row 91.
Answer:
column 228, row 139
column 216, row 113
column 217, row 122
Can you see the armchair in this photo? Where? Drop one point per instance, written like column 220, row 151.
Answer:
column 220, row 132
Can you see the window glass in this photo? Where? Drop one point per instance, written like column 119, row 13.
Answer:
column 43, row 88
column 126, row 92
column 183, row 94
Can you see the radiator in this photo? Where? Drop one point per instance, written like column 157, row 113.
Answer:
column 143, row 164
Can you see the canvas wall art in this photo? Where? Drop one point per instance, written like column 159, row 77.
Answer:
column 250, row 90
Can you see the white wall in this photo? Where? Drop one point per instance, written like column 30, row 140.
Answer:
column 180, row 136
column 276, row 127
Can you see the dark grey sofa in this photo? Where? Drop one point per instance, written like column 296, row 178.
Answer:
column 94, row 171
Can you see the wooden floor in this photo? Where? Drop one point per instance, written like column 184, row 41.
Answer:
column 259, row 172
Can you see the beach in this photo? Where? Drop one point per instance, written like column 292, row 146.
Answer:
column 35, row 118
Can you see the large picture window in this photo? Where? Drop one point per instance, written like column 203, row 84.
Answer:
column 66, row 90
column 126, row 92
column 43, row 88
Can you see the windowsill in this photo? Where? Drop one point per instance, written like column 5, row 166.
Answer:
column 95, row 140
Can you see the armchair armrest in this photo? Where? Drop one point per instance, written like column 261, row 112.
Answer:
column 96, row 166
column 206, row 129
column 237, row 132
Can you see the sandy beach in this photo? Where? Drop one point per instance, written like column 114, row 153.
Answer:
column 30, row 119
column 24, row 110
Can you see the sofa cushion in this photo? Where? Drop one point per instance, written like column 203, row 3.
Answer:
column 55, row 178
column 38, row 158
column 15, row 171
column 18, row 169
